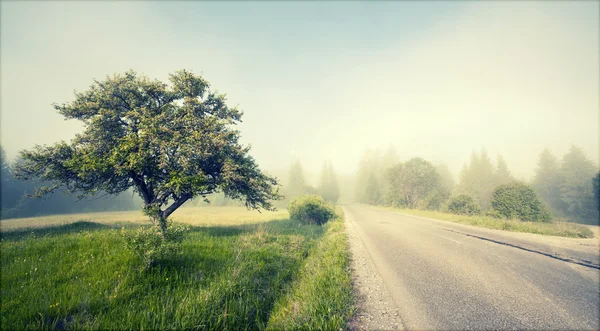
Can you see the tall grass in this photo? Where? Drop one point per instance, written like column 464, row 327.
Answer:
column 321, row 297
column 562, row 229
column 228, row 277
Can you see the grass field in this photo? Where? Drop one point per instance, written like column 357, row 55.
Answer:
column 561, row 229
column 237, row 270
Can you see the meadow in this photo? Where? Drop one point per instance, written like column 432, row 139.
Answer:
column 555, row 228
column 237, row 269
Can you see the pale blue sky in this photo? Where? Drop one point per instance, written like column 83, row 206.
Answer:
column 326, row 80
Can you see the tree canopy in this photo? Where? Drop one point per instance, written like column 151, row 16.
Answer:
column 169, row 142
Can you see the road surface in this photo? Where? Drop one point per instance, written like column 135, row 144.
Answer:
column 444, row 275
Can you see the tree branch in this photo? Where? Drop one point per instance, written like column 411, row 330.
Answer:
column 142, row 187
column 176, row 204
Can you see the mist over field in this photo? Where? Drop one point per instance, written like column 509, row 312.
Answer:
column 328, row 81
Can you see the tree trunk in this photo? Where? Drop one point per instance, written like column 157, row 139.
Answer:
column 160, row 223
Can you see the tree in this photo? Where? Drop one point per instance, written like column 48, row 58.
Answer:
column 169, row 143
column 328, row 187
column 372, row 191
column 519, row 200
column 9, row 192
column 477, row 179
column 501, row 174
column 547, row 181
column 596, row 185
column 369, row 166
column 576, row 189
column 463, row 205
column 446, row 177
column 413, row 184
column 296, row 180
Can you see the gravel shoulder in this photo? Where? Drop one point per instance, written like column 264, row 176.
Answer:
column 376, row 309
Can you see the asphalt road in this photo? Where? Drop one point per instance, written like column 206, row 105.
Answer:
column 443, row 275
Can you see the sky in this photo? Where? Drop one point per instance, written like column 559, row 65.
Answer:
column 326, row 80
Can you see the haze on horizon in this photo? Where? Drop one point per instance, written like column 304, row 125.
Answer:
column 326, row 81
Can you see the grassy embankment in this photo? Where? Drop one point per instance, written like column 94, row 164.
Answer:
column 238, row 270
column 562, row 229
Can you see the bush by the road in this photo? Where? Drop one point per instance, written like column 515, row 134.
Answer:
column 519, row 201
column 311, row 209
column 463, row 205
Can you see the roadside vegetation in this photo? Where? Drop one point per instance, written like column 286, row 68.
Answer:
column 562, row 229
column 246, row 276
column 559, row 196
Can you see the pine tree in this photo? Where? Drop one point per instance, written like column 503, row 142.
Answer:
column 446, row 177
column 547, row 181
column 576, row 189
column 296, row 181
column 369, row 165
column 502, row 175
column 372, row 190
column 328, row 187
column 477, row 179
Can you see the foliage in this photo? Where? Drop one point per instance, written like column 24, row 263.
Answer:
column 519, row 201
column 16, row 202
column 596, row 185
column 414, row 183
column 372, row 193
column 169, row 143
column 576, row 188
column 328, row 187
column 151, row 246
column 463, row 205
column 367, row 188
column 501, row 174
column 446, row 177
column 311, row 209
column 296, row 181
column 547, row 181
column 477, row 179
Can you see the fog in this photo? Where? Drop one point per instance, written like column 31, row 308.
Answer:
column 326, row 81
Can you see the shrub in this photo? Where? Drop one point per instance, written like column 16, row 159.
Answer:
column 463, row 205
column 310, row 209
column 519, row 201
column 148, row 243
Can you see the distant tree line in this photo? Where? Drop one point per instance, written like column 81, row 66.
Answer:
column 297, row 184
column 565, row 189
column 15, row 199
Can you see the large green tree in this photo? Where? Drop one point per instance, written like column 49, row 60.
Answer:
column 170, row 142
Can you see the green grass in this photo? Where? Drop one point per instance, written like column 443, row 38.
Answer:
column 321, row 298
column 561, row 229
column 79, row 276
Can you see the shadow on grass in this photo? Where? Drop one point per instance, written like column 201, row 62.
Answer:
column 53, row 230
